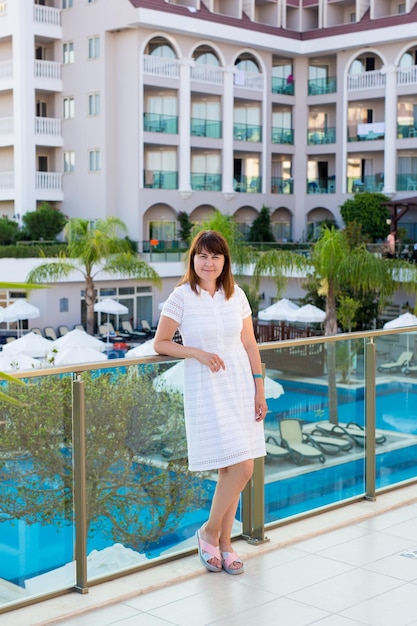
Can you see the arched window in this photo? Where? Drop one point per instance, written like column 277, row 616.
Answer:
column 204, row 55
column 409, row 58
column 247, row 63
column 160, row 47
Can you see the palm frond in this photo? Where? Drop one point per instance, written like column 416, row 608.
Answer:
column 53, row 271
column 129, row 265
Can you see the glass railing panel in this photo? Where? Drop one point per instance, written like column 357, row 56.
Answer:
column 281, row 185
column 396, row 408
column 325, row 135
column 283, row 85
column 371, row 184
column 404, row 131
column 248, row 184
column 142, row 501
column 158, row 123
column 206, row 128
column 206, row 182
column 318, row 86
column 319, row 185
column 407, row 182
column 160, row 179
column 36, row 485
column 247, row 132
column 313, row 404
column 282, row 135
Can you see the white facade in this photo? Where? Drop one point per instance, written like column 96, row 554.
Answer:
column 147, row 108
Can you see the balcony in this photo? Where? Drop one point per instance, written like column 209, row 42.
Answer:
column 281, row 185
column 407, row 75
column 48, row 131
column 206, row 128
column 207, row 74
column 48, row 75
column 158, row 123
column 249, row 80
column 366, row 80
column 367, row 132
column 248, row 184
column 371, row 183
column 47, row 21
column 321, row 185
column 6, row 131
column 407, row 182
column 247, row 132
column 282, row 135
column 318, row 136
column 283, row 86
column 49, row 186
column 405, row 131
column 319, row 86
column 6, row 75
column 6, row 185
column 160, row 179
column 160, row 66
column 206, row 182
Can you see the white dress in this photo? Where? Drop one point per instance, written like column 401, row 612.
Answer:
column 219, row 406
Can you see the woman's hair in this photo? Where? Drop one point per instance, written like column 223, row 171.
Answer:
column 214, row 243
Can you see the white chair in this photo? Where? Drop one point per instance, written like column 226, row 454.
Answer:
column 411, row 184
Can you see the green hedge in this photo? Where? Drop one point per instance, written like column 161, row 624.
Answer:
column 32, row 250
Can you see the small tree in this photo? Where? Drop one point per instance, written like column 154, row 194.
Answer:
column 260, row 230
column 186, row 226
column 368, row 210
column 43, row 224
column 8, row 231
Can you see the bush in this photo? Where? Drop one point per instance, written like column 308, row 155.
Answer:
column 43, row 224
column 8, row 231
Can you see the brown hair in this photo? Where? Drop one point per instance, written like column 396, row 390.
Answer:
column 214, row 243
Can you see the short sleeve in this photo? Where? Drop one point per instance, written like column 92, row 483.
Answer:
column 245, row 309
column 174, row 306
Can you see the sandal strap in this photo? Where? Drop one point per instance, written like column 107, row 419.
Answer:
column 230, row 557
column 207, row 548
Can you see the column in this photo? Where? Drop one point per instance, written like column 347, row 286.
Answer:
column 184, row 153
column 390, row 154
column 227, row 118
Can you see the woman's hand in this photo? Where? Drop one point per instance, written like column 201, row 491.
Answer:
column 261, row 407
column 213, row 361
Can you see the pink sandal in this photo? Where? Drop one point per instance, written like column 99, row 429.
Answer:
column 208, row 552
column 232, row 557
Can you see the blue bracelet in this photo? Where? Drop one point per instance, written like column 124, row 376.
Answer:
column 258, row 375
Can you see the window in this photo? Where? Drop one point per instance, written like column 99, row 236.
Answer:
column 94, row 47
column 68, row 52
column 68, row 108
column 401, row 7
column 67, row 4
column 93, row 104
column 42, row 163
column 63, row 305
column 69, row 161
column 94, row 159
column 41, row 108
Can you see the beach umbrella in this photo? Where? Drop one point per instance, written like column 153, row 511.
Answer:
column 76, row 354
column 79, row 338
column 14, row 361
column 30, row 344
column 402, row 321
column 145, row 349
column 278, row 311
column 308, row 314
column 20, row 310
column 173, row 379
column 111, row 307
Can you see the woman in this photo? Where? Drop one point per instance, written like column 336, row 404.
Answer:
column 224, row 398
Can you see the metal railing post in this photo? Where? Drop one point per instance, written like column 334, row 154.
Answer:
column 370, row 420
column 80, row 500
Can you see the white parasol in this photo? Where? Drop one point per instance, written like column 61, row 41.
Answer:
column 402, row 321
column 173, row 379
column 20, row 310
column 308, row 314
column 30, row 344
column 78, row 338
column 15, row 361
column 111, row 307
column 76, row 354
column 278, row 311
column 145, row 349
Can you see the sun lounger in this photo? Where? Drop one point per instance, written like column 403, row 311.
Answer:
column 403, row 361
column 328, row 445
column 273, row 449
column 292, row 438
column 352, row 431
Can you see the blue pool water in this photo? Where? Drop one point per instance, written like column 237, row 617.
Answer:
column 27, row 550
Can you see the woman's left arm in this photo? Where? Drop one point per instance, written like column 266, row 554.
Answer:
column 251, row 347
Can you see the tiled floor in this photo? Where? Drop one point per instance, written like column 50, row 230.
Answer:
column 355, row 565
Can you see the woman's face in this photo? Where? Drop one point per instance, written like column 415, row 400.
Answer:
column 208, row 266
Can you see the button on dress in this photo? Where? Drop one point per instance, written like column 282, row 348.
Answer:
column 219, row 406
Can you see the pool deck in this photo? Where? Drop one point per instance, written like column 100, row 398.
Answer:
column 351, row 566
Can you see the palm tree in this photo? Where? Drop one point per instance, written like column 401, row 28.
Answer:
column 94, row 248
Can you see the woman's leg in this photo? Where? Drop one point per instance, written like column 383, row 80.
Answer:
column 218, row 528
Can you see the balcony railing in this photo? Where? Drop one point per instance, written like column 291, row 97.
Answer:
column 248, row 184
column 46, row 15
column 249, row 80
column 49, row 181
column 102, row 432
column 283, row 86
column 207, row 74
column 6, row 125
column 407, row 75
column 48, row 126
column 317, row 136
column 404, row 131
column 6, row 69
column 247, row 132
column 158, row 123
column 206, row 128
column 366, row 80
column 6, row 181
column 371, row 183
column 201, row 181
column 281, row 185
column 318, row 86
column 282, row 135
column 407, row 182
column 49, row 70
column 161, row 179
column 160, row 66
column 321, row 185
